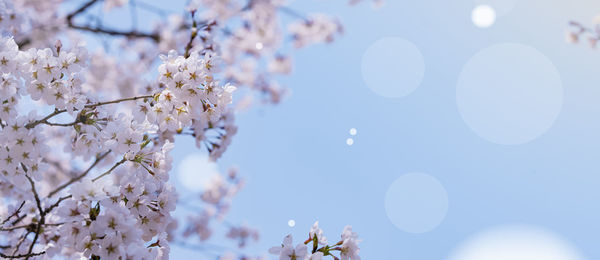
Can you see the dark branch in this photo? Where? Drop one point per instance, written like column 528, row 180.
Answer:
column 129, row 34
column 81, row 9
column 103, row 30
column 40, row 222
column 23, row 255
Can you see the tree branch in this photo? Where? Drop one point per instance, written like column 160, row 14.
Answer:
column 57, row 203
column 23, row 255
column 60, row 111
column 81, row 9
column 42, row 217
column 117, row 101
column 129, row 34
column 111, row 169
column 98, row 29
column 45, row 119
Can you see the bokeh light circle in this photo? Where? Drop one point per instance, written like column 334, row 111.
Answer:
column 509, row 93
column 393, row 67
column 349, row 141
column 416, row 203
column 196, row 171
column 515, row 242
column 291, row 223
column 483, row 16
column 353, row 131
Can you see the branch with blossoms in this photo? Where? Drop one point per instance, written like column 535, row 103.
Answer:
column 347, row 248
column 578, row 32
column 85, row 138
column 51, row 76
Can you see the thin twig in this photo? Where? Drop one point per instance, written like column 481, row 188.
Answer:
column 293, row 13
column 23, row 255
column 110, row 170
column 117, row 101
column 62, row 124
column 79, row 177
column 45, row 119
column 60, row 111
column 134, row 16
column 129, row 34
column 28, row 226
column 99, row 29
column 47, row 210
column 81, row 9
column 16, row 249
column 14, row 213
column 152, row 8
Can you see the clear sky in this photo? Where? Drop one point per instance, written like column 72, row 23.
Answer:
column 466, row 137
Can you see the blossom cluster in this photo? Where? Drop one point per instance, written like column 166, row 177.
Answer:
column 108, row 218
column 347, row 246
column 217, row 199
column 85, row 137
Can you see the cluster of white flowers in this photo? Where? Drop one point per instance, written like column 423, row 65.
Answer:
column 316, row 29
column 110, row 4
column 10, row 21
column 191, row 97
column 116, row 221
column 216, row 9
column 347, row 246
column 217, row 198
column 376, row 3
column 85, row 140
column 242, row 234
column 34, row 22
column 100, row 217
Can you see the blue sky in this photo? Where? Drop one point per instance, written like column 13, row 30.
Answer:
column 502, row 128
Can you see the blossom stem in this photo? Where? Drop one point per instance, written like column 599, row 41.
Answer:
column 60, row 111
column 45, row 119
column 117, row 101
column 292, row 12
column 79, row 177
column 110, row 170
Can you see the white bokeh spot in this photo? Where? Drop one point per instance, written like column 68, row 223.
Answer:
column 393, row 67
column 196, row 171
column 515, row 242
column 349, row 141
column 509, row 93
column 483, row 16
column 416, row 203
column 292, row 223
column 353, row 131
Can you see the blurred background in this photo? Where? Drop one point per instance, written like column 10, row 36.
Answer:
column 463, row 129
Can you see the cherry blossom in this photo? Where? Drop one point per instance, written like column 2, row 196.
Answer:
column 86, row 135
column 347, row 247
